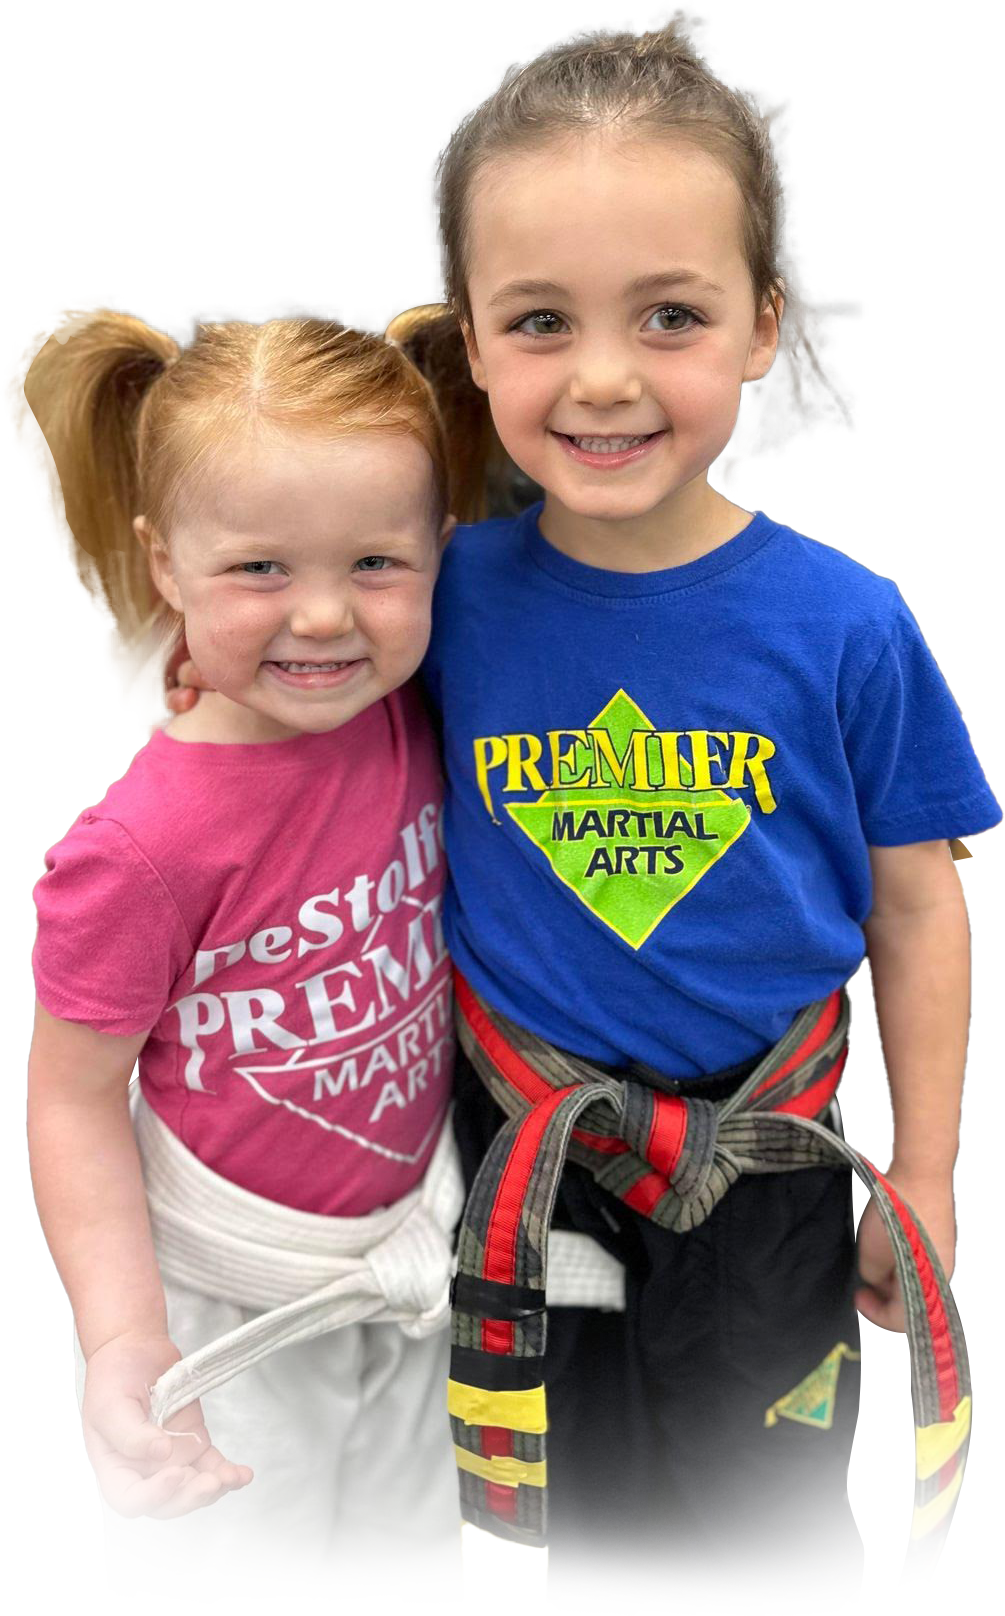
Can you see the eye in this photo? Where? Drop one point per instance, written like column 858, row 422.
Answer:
column 542, row 323
column 673, row 317
column 257, row 569
column 373, row 563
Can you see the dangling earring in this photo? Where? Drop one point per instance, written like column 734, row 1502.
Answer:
column 734, row 454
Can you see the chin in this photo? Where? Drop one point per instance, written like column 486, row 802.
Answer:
column 614, row 505
column 319, row 721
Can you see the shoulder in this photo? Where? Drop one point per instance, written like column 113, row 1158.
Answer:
column 478, row 550
column 111, row 937
column 844, row 614
column 134, row 838
column 824, row 575
column 99, row 865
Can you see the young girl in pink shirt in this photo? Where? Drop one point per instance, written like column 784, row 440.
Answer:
column 252, row 913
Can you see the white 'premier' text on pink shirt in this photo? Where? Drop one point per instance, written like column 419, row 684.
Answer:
column 271, row 914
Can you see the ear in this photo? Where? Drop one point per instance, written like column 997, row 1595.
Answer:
column 764, row 342
column 474, row 357
column 447, row 531
column 159, row 561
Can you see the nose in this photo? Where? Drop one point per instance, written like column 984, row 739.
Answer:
column 604, row 375
column 321, row 614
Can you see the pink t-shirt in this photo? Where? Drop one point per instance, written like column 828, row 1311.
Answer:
column 271, row 914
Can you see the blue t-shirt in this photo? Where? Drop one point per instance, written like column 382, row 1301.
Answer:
column 662, row 786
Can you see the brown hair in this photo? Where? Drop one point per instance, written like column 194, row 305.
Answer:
column 651, row 84
column 132, row 420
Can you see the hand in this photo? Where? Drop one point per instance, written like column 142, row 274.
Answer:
column 140, row 1468
column 931, row 1201
column 185, row 694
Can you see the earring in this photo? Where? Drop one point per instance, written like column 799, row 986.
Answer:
column 734, row 454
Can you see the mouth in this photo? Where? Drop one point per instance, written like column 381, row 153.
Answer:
column 314, row 675
column 608, row 450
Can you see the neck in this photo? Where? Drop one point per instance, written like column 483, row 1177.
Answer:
column 689, row 523
column 217, row 718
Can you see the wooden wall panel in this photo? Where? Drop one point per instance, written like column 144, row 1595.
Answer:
column 71, row 713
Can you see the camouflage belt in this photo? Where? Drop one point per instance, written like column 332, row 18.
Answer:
column 672, row 1159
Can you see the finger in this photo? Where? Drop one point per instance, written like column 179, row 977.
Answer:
column 885, row 1313
column 197, row 1492
column 869, row 1304
column 211, row 1461
column 148, row 1444
column 230, row 1474
column 189, row 676
column 181, row 701
column 877, row 1276
column 123, row 1424
column 132, row 1495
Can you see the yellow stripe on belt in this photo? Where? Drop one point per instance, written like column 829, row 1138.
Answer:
column 512, row 1411
column 936, row 1444
column 932, row 1514
column 506, row 1472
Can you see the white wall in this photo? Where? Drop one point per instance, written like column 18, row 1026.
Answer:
column 39, row 131
column 996, row 91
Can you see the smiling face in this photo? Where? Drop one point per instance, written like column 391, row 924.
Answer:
column 304, row 570
column 613, row 319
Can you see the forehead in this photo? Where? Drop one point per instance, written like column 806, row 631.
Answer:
column 287, row 483
column 599, row 208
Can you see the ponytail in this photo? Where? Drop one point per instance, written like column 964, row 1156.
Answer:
column 86, row 389
column 483, row 479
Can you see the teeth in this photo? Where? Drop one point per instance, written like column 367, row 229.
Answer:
column 608, row 445
column 312, row 667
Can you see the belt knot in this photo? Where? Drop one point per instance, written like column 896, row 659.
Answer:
column 412, row 1269
column 679, row 1138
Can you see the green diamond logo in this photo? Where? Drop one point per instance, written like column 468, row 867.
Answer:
column 812, row 1401
column 630, row 855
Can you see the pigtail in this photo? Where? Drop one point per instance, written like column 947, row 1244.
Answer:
column 483, row 479
column 86, row 388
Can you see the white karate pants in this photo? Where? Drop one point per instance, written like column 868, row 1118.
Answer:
column 350, row 1443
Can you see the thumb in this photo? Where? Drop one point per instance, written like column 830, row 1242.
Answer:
column 125, row 1425
column 868, row 1304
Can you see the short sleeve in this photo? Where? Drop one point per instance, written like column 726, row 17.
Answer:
column 915, row 772
column 111, row 942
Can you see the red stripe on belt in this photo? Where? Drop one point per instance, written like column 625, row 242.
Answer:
column 809, row 1046
column 504, row 1220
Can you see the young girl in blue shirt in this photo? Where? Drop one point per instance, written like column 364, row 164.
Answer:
column 698, row 765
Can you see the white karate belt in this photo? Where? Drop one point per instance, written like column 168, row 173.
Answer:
column 311, row 1274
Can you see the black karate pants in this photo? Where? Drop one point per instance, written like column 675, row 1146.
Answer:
column 660, row 1444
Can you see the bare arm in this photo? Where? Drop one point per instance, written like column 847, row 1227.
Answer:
column 86, row 1175
column 918, row 942
column 89, row 1191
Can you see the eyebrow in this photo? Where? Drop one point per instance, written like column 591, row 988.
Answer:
column 643, row 283
column 674, row 277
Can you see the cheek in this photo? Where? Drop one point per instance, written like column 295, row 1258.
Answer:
column 702, row 387
column 396, row 621
column 520, row 387
column 228, row 631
